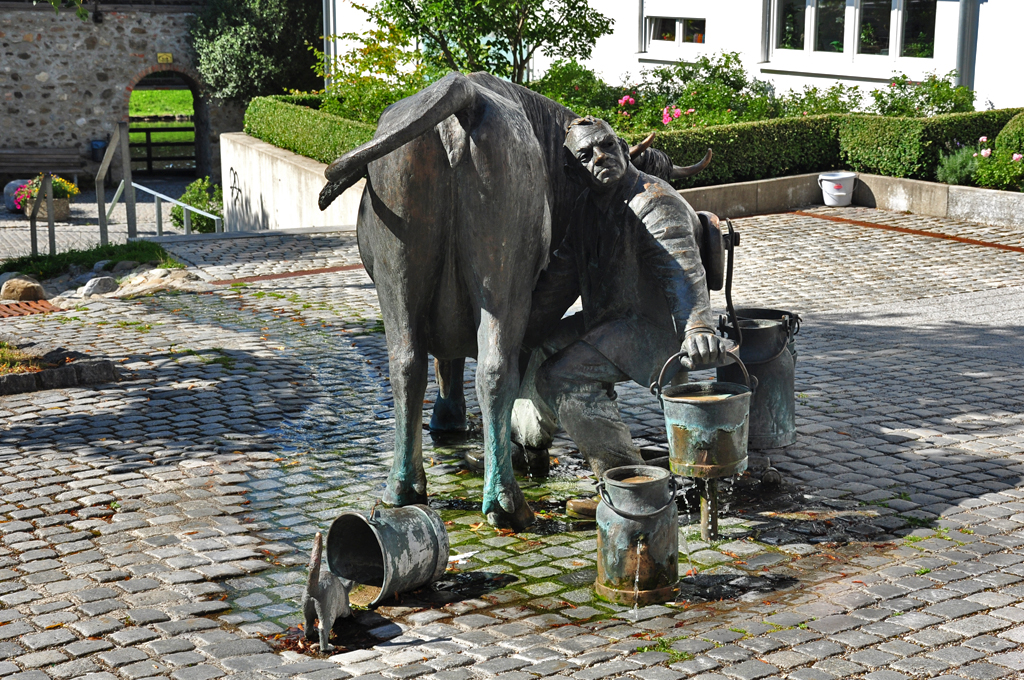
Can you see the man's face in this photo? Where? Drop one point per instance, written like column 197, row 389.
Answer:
column 597, row 148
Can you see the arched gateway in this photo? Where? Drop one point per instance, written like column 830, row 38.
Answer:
column 71, row 80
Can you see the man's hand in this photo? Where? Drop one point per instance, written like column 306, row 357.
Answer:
column 704, row 348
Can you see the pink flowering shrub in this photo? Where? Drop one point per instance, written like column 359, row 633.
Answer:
column 999, row 167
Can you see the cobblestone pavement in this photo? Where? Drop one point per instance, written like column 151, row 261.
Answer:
column 159, row 526
column 81, row 231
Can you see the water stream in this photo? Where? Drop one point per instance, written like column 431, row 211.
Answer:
column 636, row 582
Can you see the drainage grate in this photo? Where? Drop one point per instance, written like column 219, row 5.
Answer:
column 26, row 308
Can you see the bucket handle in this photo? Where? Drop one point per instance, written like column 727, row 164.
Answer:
column 639, row 516
column 793, row 322
column 658, row 385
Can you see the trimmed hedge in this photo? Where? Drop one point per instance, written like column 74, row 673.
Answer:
column 893, row 146
column 757, row 150
column 1012, row 136
column 912, row 147
column 303, row 130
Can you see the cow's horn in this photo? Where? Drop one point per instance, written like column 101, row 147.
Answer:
column 635, row 151
column 690, row 170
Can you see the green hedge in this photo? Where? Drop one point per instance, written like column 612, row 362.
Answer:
column 897, row 147
column 304, row 130
column 758, row 150
column 1012, row 136
column 912, row 147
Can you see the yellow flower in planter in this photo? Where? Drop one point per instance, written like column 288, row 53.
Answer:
column 61, row 189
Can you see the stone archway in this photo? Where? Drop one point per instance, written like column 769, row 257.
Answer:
column 201, row 111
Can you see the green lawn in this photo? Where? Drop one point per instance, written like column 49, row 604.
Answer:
column 160, row 103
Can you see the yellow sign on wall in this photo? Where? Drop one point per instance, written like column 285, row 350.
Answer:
column 164, row 58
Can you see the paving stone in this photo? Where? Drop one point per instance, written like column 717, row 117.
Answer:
column 615, row 668
column 834, row 624
column 957, row 656
column 920, row 666
column 202, row 672
column 750, row 670
column 50, row 638
column 873, row 658
column 819, row 649
column 975, row 625
column 983, row 671
column 656, row 673
column 235, row 648
column 122, row 657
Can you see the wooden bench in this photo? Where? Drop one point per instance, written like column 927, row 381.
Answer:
column 34, row 161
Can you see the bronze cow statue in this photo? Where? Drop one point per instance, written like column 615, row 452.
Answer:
column 465, row 198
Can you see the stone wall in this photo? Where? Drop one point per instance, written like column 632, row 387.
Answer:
column 65, row 81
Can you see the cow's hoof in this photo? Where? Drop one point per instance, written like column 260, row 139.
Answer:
column 449, row 416
column 400, row 496
column 499, row 516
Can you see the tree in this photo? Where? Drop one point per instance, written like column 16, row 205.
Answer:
column 500, row 36
column 381, row 66
column 248, row 48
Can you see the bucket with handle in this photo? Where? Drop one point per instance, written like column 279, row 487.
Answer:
column 393, row 549
column 769, row 353
column 708, row 424
column 837, row 187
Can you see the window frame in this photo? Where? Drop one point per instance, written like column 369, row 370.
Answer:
column 851, row 43
column 651, row 22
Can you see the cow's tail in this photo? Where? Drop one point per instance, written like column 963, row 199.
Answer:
column 401, row 123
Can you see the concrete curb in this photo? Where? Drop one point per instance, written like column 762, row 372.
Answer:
column 783, row 194
column 83, row 370
column 183, row 238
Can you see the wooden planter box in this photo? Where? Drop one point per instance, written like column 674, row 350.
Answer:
column 61, row 209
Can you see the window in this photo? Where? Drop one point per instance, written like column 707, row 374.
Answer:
column 693, row 30
column 830, row 25
column 664, row 29
column 875, row 17
column 791, row 24
column 919, row 29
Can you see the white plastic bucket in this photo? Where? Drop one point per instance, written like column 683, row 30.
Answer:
column 837, row 187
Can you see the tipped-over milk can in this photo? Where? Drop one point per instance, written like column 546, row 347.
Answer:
column 395, row 549
column 769, row 353
column 637, row 536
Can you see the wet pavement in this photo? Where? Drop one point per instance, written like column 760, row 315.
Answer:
column 160, row 526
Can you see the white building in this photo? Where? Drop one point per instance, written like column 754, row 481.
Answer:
column 793, row 43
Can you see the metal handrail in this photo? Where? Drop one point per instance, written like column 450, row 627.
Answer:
column 218, row 223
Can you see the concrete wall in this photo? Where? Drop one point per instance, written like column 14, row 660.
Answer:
column 754, row 198
column 266, row 187
column 998, row 208
column 65, row 81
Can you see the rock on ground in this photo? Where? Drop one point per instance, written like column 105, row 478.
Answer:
column 22, row 288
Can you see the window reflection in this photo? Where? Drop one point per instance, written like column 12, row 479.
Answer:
column 830, row 24
column 693, row 30
column 791, row 24
column 664, row 29
column 919, row 29
column 875, row 17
